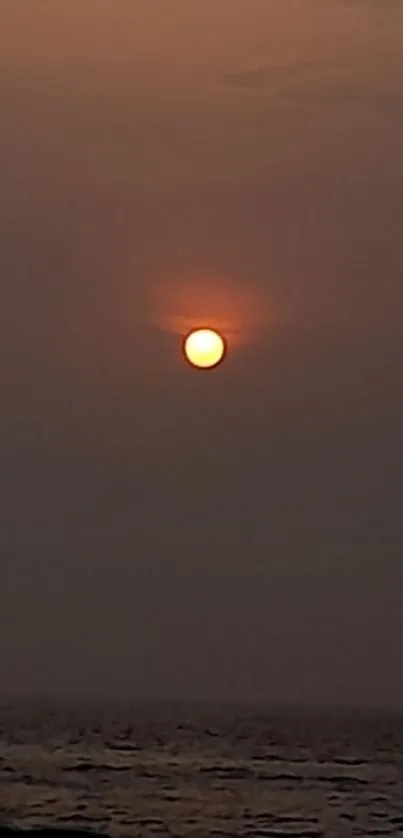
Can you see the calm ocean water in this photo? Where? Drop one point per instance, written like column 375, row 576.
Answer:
column 201, row 770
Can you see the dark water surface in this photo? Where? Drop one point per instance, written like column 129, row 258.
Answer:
column 195, row 770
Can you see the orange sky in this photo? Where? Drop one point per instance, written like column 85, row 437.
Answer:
column 197, row 40
column 120, row 95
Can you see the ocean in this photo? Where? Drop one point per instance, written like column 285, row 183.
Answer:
column 125, row 769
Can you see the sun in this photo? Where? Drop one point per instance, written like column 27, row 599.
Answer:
column 204, row 348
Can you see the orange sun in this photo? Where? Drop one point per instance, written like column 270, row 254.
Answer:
column 204, row 348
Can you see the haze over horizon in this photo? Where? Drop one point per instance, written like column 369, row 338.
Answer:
column 230, row 535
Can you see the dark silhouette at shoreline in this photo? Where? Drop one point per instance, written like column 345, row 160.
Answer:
column 44, row 832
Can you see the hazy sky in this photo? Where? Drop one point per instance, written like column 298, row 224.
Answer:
column 168, row 533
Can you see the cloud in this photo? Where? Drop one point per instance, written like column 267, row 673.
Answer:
column 322, row 85
column 383, row 14
column 268, row 77
column 346, row 93
column 367, row 5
